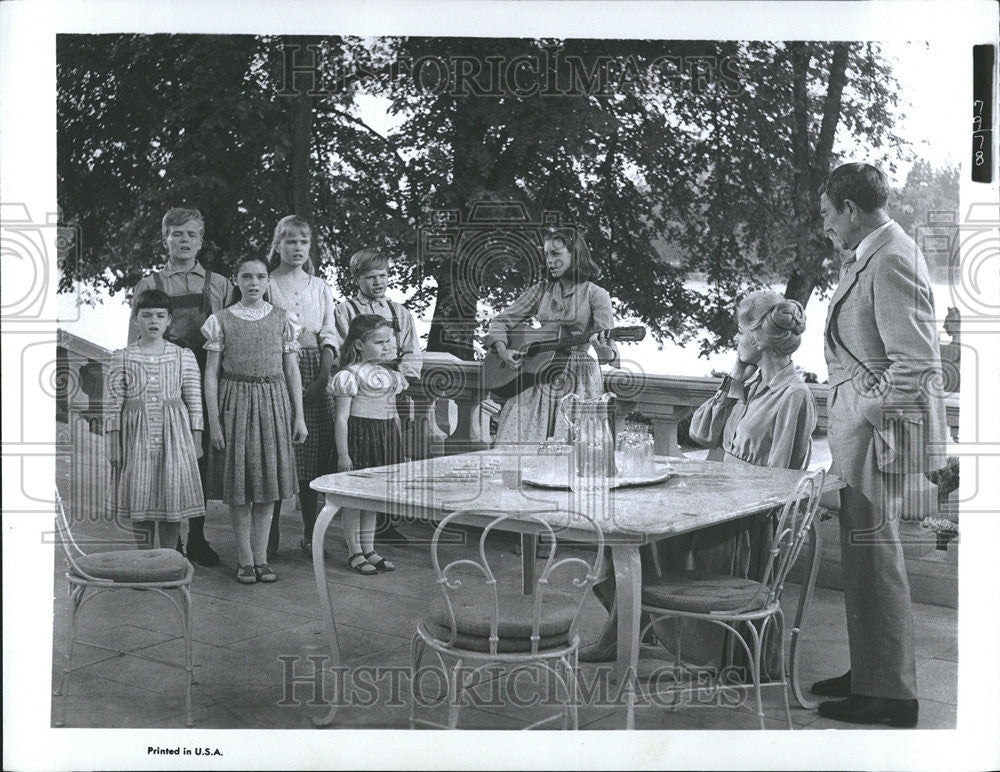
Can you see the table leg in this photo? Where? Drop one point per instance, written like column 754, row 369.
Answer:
column 815, row 553
column 628, row 597
column 529, row 545
column 329, row 511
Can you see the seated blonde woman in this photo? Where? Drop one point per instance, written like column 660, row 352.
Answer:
column 763, row 414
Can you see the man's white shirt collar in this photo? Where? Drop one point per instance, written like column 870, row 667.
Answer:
column 868, row 240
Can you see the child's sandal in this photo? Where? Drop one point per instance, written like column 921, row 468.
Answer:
column 381, row 564
column 246, row 575
column 360, row 565
column 264, row 573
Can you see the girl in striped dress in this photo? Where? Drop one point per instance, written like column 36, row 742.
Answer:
column 366, row 432
column 153, row 429
column 253, row 395
column 294, row 288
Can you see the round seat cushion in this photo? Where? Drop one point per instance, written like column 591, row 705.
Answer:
column 159, row 565
column 481, row 643
column 473, row 613
column 702, row 592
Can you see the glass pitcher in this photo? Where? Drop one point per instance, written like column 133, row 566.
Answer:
column 590, row 437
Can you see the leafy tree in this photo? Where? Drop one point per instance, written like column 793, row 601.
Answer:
column 150, row 122
column 673, row 157
column 927, row 208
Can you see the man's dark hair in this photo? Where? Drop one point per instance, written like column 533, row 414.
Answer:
column 863, row 184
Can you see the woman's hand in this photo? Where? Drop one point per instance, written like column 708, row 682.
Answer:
column 742, row 370
column 602, row 338
column 344, row 463
column 510, row 358
column 199, row 450
column 114, row 450
column 218, row 441
column 314, row 392
column 299, row 431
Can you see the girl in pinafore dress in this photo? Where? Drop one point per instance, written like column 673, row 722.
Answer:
column 569, row 297
column 365, row 429
column 253, row 395
column 153, row 428
column 294, row 288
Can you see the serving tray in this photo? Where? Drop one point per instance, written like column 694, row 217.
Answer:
column 561, row 482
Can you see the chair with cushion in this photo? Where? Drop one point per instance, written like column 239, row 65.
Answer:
column 90, row 575
column 744, row 607
column 484, row 620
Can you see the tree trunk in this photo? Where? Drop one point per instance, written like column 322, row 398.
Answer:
column 454, row 325
column 811, row 248
column 302, row 124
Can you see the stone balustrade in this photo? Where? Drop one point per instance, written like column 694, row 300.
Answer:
column 447, row 411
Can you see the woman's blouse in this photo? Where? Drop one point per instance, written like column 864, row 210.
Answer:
column 153, row 379
column 763, row 424
column 372, row 389
column 582, row 308
column 215, row 338
column 312, row 307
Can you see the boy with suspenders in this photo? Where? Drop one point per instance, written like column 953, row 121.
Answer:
column 195, row 293
column 370, row 271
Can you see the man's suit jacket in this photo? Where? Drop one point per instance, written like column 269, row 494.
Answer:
column 886, row 412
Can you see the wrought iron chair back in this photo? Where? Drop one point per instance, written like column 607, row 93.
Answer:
column 547, row 585
column 790, row 535
column 793, row 527
column 507, row 627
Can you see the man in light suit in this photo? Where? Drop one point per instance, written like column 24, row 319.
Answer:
column 886, row 420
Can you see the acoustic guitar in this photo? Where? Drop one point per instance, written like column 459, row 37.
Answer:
column 544, row 353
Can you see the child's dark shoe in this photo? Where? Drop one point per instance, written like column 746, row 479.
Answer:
column 264, row 573
column 381, row 564
column 246, row 575
column 359, row 564
column 199, row 551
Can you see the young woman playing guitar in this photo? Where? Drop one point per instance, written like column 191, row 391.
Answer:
column 569, row 298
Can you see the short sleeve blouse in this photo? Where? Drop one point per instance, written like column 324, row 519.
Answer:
column 373, row 389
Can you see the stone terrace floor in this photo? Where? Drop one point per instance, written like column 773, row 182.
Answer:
column 241, row 631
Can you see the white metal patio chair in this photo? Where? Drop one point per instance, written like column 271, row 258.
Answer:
column 739, row 605
column 90, row 575
column 480, row 621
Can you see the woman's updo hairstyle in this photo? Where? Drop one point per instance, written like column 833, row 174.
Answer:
column 778, row 321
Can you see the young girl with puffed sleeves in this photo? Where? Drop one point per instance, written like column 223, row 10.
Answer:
column 253, row 395
column 366, row 432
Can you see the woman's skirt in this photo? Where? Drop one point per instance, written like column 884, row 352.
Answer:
column 533, row 415
column 371, row 442
column 158, row 480
column 312, row 456
column 258, row 464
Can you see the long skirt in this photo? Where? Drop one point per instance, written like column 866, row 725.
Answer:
column 311, row 457
column 533, row 415
column 258, row 464
column 159, row 477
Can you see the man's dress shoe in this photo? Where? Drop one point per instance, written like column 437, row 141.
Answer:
column 859, row 709
column 834, row 687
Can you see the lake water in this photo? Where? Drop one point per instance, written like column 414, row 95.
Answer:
column 107, row 323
